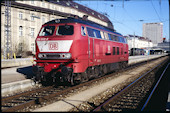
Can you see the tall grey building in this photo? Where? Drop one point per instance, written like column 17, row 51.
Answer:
column 154, row 32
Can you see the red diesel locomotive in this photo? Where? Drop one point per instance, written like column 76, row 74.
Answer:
column 76, row 50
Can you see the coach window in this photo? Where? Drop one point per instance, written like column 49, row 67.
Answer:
column 114, row 52
column 119, row 39
column 117, row 50
column 116, row 38
column 112, row 37
column 102, row 35
column 106, row 36
column 83, row 32
column 109, row 36
column 90, row 32
column 97, row 32
column 125, row 40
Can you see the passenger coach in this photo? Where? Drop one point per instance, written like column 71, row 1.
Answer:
column 76, row 50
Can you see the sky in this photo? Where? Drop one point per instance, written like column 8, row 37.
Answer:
column 128, row 16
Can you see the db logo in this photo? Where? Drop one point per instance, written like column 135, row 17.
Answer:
column 53, row 45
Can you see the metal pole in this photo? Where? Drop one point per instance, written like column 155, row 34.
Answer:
column 7, row 35
column 134, row 44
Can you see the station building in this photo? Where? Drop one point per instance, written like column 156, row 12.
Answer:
column 27, row 17
column 138, row 42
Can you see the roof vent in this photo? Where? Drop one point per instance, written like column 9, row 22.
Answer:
column 76, row 6
column 99, row 16
column 87, row 9
column 85, row 17
column 68, row 3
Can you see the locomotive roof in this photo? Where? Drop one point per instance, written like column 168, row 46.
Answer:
column 87, row 22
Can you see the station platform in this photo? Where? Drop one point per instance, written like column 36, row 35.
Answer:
column 7, row 63
column 14, row 74
column 23, row 74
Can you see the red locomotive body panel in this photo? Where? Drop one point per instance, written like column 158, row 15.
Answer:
column 78, row 49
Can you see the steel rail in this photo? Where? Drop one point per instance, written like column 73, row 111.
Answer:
column 21, row 106
column 4, row 99
column 122, row 91
column 39, row 100
column 148, row 99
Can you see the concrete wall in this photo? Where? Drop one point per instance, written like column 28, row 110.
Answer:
column 16, row 62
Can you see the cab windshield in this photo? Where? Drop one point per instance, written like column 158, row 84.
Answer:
column 65, row 30
column 47, row 31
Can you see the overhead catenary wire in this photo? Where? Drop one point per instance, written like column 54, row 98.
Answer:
column 126, row 26
column 158, row 14
column 156, row 11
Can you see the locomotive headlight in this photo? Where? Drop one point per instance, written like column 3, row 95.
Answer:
column 65, row 55
column 68, row 55
column 34, row 63
column 41, row 55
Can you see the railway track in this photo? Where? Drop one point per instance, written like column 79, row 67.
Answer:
column 30, row 99
column 136, row 95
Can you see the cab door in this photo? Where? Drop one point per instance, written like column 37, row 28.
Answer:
column 91, row 43
column 91, row 50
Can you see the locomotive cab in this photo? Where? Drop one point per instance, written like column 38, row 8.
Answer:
column 58, row 50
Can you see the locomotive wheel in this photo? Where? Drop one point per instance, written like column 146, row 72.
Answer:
column 96, row 71
column 104, row 69
column 101, row 73
column 123, row 65
column 74, row 80
column 120, row 65
column 47, row 81
column 126, row 64
column 84, row 77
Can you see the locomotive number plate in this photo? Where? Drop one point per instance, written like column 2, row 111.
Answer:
column 53, row 45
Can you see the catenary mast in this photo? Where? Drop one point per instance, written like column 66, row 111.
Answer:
column 7, row 38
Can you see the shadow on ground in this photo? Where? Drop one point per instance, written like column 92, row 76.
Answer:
column 27, row 71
